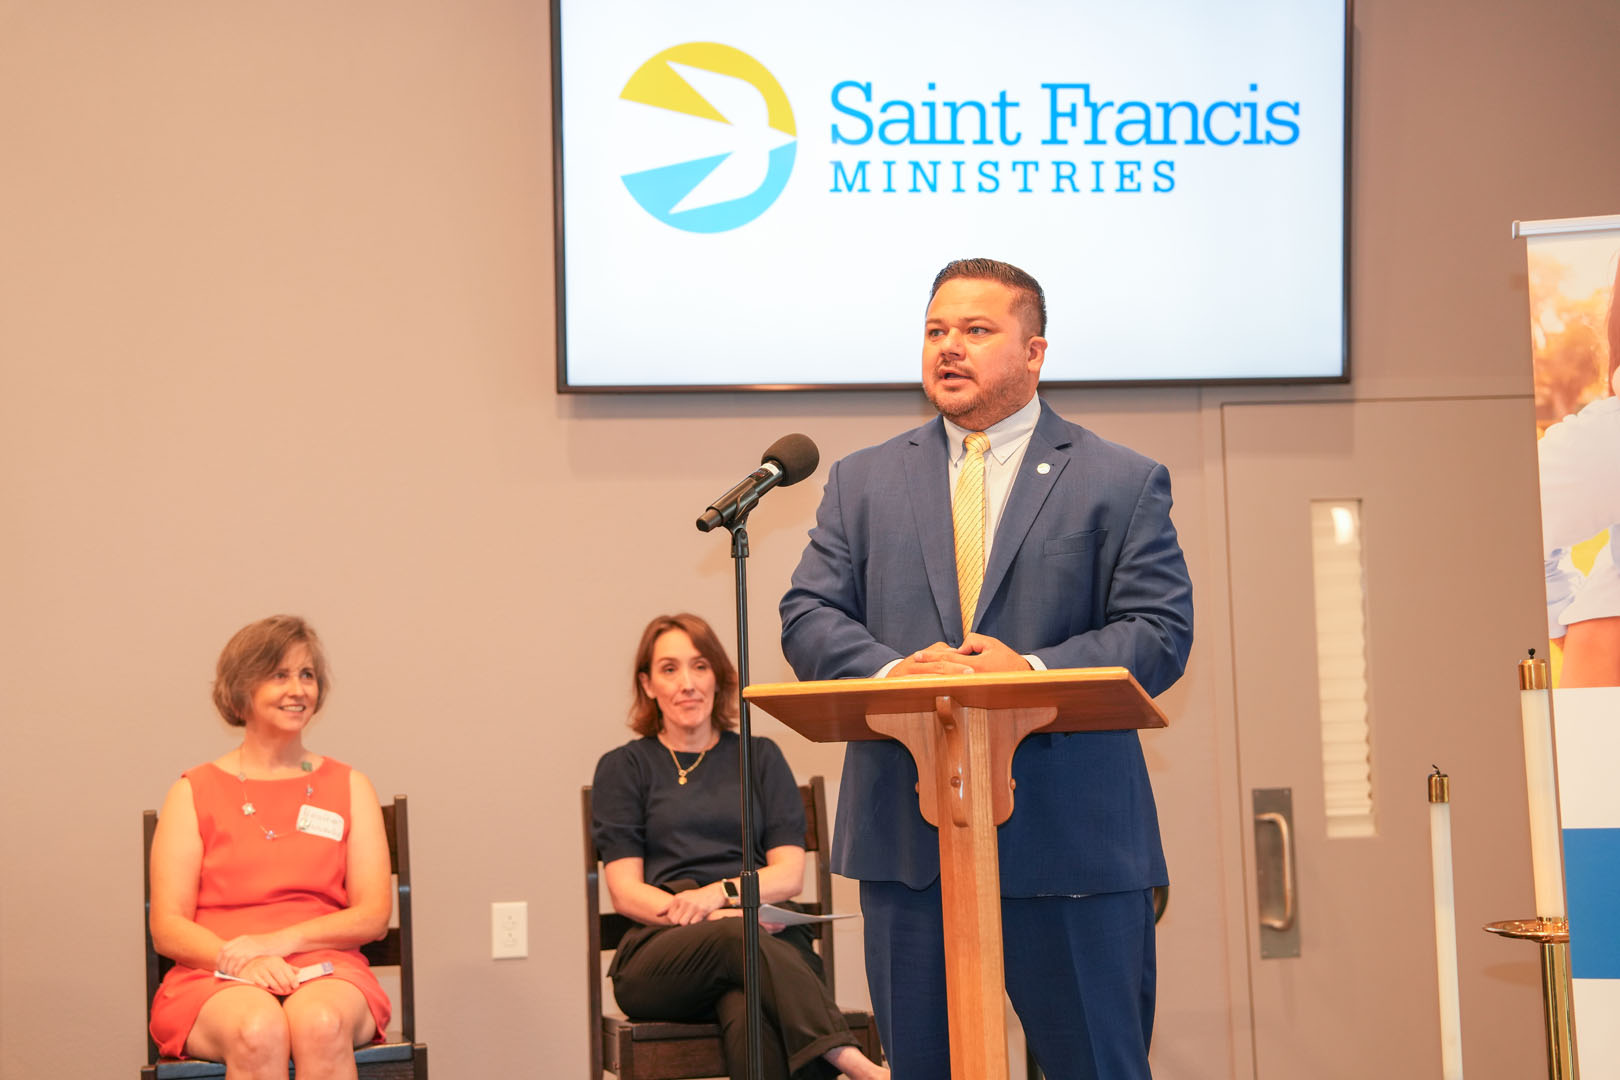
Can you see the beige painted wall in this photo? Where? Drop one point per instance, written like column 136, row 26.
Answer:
column 276, row 334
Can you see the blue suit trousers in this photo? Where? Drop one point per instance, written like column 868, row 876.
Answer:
column 1080, row 972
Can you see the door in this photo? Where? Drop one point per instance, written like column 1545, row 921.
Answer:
column 1450, row 542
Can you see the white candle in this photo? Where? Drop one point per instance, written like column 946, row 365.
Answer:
column 1445, row 927
column 1546, row 850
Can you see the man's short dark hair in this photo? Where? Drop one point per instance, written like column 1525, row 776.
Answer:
column 1031, row 301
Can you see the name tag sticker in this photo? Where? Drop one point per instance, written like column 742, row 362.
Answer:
column 318, row 822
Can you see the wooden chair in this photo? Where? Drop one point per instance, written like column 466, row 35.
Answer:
column 666, row 1051
column 402, row 1060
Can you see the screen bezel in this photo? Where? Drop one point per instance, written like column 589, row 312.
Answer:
column 564, row 386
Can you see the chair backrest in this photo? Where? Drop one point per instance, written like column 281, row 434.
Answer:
column 603, row 930
column 393, row 950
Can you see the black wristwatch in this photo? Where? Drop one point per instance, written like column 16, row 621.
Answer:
column 733, row 897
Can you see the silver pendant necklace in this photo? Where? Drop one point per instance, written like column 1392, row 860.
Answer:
column 249, row 810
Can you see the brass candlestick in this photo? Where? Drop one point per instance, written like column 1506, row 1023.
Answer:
column 1551, row 932
column 1553, row 937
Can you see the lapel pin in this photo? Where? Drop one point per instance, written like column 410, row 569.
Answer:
column 1043, row 468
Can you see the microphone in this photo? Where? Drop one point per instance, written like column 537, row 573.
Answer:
column 788, row 460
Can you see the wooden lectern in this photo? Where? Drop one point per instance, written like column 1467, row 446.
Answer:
column 962, row 731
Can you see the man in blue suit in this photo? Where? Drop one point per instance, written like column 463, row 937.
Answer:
column 1080, row 568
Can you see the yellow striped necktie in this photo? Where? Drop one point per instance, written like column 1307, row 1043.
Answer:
column 968, row 514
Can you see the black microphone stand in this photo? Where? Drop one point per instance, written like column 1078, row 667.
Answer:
column 749, row 879
column 788, row 460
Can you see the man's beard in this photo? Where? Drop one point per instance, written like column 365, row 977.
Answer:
column 999, row 401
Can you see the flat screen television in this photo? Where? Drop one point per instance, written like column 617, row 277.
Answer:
column 757, row 196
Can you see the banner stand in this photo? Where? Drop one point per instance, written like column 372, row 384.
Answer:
column 1574, row 291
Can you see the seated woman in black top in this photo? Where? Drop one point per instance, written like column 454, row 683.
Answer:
column 666, row 817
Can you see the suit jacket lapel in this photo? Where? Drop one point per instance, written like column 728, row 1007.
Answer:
column 929, row 486
column 1049, row 445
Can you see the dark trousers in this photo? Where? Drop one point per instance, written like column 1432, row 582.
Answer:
column 688, row 973
column 1080, row 972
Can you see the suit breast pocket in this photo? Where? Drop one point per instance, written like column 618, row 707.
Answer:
column 1075, row 543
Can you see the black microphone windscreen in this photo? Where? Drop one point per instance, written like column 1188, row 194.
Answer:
column 797, row 456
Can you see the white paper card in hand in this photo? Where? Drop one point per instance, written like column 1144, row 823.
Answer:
column 772, row 914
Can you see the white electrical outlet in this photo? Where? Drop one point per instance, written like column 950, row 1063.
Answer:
column 509, row 929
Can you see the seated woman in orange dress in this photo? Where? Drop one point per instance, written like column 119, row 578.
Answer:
column 269, row 870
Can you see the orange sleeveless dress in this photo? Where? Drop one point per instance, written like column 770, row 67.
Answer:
column 250, row 884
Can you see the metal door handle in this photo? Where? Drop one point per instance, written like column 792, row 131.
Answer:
column 1285, row 921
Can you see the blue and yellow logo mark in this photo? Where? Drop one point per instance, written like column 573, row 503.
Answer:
column 662, row 191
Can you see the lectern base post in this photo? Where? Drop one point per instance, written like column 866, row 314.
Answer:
column 965, row 789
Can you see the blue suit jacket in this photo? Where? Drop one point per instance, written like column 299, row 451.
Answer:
column 1084, row 571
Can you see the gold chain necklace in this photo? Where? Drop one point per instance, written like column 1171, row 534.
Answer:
column 701, row 755
column 248, row 809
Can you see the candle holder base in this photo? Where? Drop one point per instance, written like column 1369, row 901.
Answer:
column 1553, row 931
column 1553, row 937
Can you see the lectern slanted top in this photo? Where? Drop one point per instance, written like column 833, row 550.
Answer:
column 1086, row 699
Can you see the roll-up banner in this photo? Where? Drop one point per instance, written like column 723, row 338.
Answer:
column 1574, row 266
